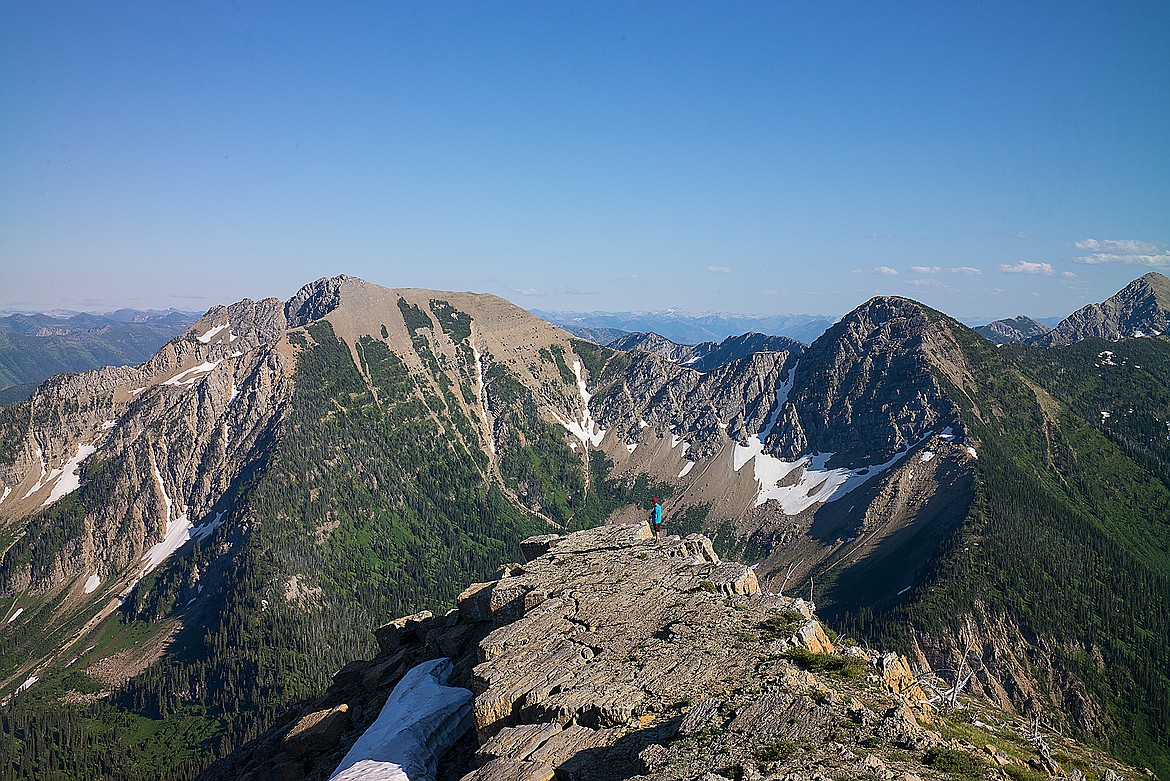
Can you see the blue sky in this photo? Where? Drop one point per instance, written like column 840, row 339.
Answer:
column 986, row 158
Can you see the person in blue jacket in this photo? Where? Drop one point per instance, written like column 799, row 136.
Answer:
column 656, row 519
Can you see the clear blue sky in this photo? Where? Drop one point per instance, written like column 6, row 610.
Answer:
column 746, row 157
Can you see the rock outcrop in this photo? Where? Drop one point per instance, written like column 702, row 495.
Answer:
column 608, row 655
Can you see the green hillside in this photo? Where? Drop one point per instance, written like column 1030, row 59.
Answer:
column 1067, row 537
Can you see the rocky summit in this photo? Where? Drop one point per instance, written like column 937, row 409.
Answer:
column 1139, row 309
column 610, row 655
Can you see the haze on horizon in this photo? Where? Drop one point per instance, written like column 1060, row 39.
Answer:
column 986, row 159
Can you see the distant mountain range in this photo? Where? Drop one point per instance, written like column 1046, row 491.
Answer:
column 685, row 328
column 34, row 347
column 1020, row 328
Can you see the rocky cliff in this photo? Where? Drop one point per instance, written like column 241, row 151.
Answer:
column 609, row 655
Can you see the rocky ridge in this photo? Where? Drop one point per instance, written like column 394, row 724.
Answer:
column 1020, row 328
column 608, row 655
column 1140, row 308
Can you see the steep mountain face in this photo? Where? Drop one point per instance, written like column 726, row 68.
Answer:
column 1020, row 328
column 610, row 656
column 1140, row 308
column 918, row 477
column 33, row 347
column 865, row 390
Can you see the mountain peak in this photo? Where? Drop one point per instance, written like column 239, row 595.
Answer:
column 1140, row 308
column 315, row 300
column 1020, row 328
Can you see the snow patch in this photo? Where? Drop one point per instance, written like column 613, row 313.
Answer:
column 108, row 424
column 1105, row 416
column 755, row 446
column 28, row 682
column 479, row 394
column 15, row 615
column 158, row 480
column 816, row 484
column 191, row 375
column 69, row 481
column 178, row 532
column 587, row 429
column 204, row 531
column 1107, row 356
column 8, row 490
column 136, row 391
column 642, row 423
column 421, row 719
column 207, row 337
column 632, row 446
column 91, row 583
column 971, row 452
column 927, row 455
column 689, row 466
column 44, row 478
column 947, row 433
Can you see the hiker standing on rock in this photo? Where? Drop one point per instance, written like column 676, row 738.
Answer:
column 656, row 519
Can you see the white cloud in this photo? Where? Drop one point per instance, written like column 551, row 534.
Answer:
column 525, row 291
column 964, row 270
column 925, row 269
column 719, row 269
column 893, row 272
column 934, row 284
column 1130, row 251
column 1068, row 275
column 1026, row 267
column 1127, row 246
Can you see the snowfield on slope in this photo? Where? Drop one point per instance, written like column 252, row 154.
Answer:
column 815, row 484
